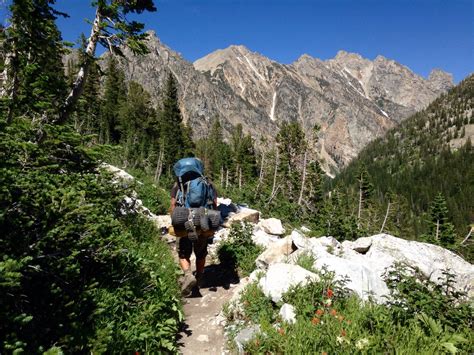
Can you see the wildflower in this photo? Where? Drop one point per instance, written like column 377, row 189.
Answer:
column 343, row 333
column 333, row 312
column 319, row 312
column 329, row 293
column 257, row 342
column 315, row 320
column 339, row 340
column 324, row 353
column 340, row 318
column 362, row 343
column 327, row 302
column 281, row 331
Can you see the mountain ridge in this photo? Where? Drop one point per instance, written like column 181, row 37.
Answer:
column 352, row 101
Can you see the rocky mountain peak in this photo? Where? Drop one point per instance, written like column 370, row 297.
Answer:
column 352, row 99
column 440, row 80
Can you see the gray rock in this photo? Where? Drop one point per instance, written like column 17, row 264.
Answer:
column 287, row 313
column 276, row 252
column 245, row 336
column 272, row 226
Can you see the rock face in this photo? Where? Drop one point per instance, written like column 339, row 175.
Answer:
column 352, row 99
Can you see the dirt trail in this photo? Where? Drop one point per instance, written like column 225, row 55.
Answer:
column 202, row 331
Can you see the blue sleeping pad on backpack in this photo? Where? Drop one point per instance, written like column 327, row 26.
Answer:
column 188, row 165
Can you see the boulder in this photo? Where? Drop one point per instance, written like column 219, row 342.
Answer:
column 263, row 239
column 276, row 252
column 281, row 277
column 272, row 226
column 245, row 336
column 361, row 245
column 365, row 261
column 161, row 221
column 244, row 215
column 287, row 313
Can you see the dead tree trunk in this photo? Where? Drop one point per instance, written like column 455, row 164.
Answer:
column 159, row 165
column 360, row 206
column 260, row 176
column 437, row 229
column 275, row 174
column 385, row 219
column 10, row 79
column 303, row 178
column 240, row 178
column 81, row 77
column 467, row 236
column 222, row 175
column 227, row 179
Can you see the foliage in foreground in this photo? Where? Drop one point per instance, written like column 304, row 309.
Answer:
column 238, row 251
column 74, row 273
column 331, row 320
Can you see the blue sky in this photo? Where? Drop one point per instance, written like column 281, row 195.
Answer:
column 421, row 34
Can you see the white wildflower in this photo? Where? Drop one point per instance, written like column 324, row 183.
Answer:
column 362, row 343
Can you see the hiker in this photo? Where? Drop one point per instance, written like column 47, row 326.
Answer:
column 192, row 185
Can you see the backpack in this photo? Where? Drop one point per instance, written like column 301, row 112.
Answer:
column 194, row 190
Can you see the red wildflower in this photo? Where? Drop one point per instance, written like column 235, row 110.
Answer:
column 329, row 293
column 315, row 320
column 333, row 312
column 343, row 333
column 319, row 312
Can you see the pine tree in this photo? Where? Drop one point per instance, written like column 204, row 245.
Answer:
column 175, row 135
column 112, row 28
column 114, row 97
column 440, row 230
column 35, row 83
column 135, row 115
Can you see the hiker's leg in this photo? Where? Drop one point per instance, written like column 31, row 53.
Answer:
column 200, row 250
column 187, row 281
column 200, row 263
column 184, row 253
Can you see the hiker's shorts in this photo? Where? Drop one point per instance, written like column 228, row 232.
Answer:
column 185, row 248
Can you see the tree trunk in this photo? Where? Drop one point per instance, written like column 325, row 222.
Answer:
column 222, row 175
column 385, row 219
column 159, row 165
column 275, row 174
column 467, row 236
column 360, row 206
column 260, row 176
column 81, row 77
column 240, row 178
column 437, row 229
column 303, row 178
column 10, row 91
column 227, row 179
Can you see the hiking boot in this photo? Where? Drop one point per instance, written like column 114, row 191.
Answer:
column 188, row 282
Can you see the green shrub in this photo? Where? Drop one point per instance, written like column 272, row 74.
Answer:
column 74, row 274
column 238, row 251
column 330, row 319
column 413, row 293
